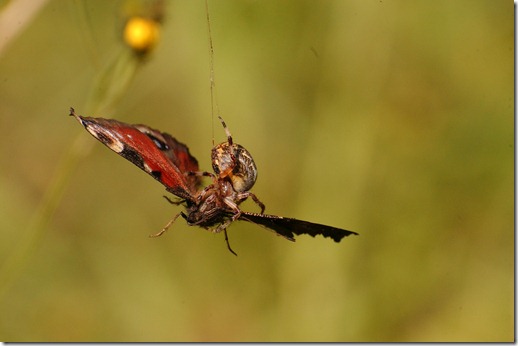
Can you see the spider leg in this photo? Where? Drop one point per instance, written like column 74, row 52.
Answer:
column 228, row 244
column 244, row 195
column 227, row 131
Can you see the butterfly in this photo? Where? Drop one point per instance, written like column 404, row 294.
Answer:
column 213, row 207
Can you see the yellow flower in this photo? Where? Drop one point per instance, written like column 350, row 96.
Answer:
column 141, row 34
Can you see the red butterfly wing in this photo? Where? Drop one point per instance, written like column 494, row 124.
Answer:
column 181, row 157
column 156, row 153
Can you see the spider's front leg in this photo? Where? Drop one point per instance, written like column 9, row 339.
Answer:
column 236, row 213
column 242, row 196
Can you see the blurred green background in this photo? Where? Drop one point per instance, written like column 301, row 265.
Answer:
column 394, row 119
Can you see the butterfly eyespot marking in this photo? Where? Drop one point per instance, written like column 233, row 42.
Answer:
column 161, row 145
column 157, row 139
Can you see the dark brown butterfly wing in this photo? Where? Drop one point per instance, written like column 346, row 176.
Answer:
column 156, row 153
column 288, row 227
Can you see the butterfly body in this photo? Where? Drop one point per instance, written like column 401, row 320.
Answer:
column 214, row 207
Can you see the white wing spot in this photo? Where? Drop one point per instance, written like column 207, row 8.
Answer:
column 116, row 146
column 109, row 140
column 147, row 168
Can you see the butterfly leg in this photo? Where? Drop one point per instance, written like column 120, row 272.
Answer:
column 166, row 227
